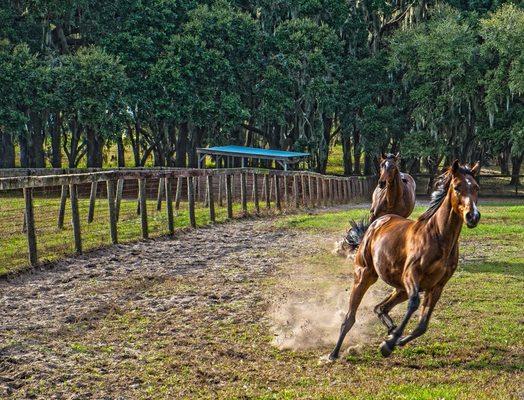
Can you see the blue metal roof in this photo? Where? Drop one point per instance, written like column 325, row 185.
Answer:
column 253, row 152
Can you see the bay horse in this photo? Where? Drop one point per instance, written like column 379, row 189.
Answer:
column 394, row 194
column 395, row 191
column 413, row 256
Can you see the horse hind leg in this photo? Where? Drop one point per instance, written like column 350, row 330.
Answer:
column 412, row 289
column 364, row 278
column 383, row 308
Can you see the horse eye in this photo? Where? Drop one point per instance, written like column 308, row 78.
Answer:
column 457, row 189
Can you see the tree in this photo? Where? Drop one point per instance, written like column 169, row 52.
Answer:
column 90, row 85
column 440, row 73
column 503, row 47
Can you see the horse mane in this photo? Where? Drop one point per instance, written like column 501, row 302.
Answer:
column 441, row 190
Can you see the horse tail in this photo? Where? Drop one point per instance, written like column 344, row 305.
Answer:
column 356, row 232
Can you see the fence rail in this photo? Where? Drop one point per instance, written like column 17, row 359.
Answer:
column 495, row 185
column 236, row 192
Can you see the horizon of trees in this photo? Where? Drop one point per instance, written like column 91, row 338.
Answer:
column 433, row 80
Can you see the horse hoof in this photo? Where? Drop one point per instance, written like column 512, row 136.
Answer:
column 385, row 349
column 332, row 357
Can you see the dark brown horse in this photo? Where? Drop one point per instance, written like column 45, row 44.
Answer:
column 395, row 192
column 414, row 256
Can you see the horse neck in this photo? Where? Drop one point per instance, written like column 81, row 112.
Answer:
column 394, row 190
column 447, row 223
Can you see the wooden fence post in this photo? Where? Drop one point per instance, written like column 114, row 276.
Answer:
column 110, row 185
column 243, row 192
column 143, row 207
column 255, row 193
column 266, row 191
column 30, row 226
column 210, row 198
column 286, row 192
column 229, row 197
column 295, row 191
column 118, row 200
column 61, row 210
column 169, row 205
column 325, row 191
column 206, row 194
column 178, row 192
column 220, row 190
column 75, row 218
column 160, row 194
column 319, row 191
column 310, row 191
column 191, row 201
column 92, row 201
column 277, row 194
column 303, row 186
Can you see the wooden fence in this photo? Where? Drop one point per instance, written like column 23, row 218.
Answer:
column 213, row 187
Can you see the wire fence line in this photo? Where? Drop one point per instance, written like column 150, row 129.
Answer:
column 45, row 215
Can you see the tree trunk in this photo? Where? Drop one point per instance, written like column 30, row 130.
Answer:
column 120, row 155
column 414, row 167
column 196, row 139
column 94, row 149
column 181, row 146
column 356, row 149
column 7, row 151
column 504, row 162
column 56, row 141
column 37, row 136
column 368, row 164
column 24, row 151
column 516, row 164
column 346, row 154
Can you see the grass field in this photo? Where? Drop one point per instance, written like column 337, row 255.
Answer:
column 474, row 346
column 215, row 337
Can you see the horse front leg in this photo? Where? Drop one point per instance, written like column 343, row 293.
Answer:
column 412, row 289
column 430, row 300
column 364, row 278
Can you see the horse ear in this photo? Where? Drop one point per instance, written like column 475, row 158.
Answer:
column 383, row 155
column 476, row 169
column 455, row 166
column 397, row 156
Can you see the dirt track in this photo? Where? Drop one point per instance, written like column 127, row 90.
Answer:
column 46, row 312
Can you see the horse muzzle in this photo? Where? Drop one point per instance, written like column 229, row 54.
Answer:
column 472, row 218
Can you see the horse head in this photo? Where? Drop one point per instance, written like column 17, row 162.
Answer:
column 464, row 192
column 388, row 168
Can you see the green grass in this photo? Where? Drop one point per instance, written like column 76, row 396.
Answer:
column 473, row 348
column 476, row 335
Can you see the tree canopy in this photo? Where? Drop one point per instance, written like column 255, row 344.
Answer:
column 435, row 81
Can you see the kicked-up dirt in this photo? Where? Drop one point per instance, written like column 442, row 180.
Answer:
column 81, row 327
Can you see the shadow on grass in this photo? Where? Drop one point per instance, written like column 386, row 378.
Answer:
column 508, row 268
column 489, row 358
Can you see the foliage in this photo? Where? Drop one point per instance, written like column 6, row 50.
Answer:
column 429, row 80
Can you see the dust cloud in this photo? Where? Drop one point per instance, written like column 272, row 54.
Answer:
column 309, row 315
